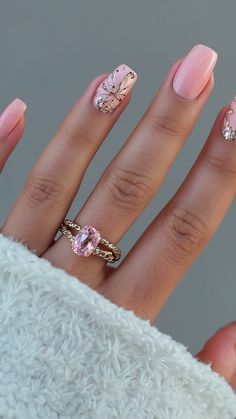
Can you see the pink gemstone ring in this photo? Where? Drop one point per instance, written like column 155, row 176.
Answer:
column 85, row 242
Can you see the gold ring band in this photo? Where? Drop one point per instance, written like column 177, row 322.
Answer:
column 85, row 242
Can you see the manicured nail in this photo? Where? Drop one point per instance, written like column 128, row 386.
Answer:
column 228, row 128
column 10, row 116
column 194, row 71
column 114, row 88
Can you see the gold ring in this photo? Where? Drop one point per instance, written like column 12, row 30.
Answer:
column 85, row 243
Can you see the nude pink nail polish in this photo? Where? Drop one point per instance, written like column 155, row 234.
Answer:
column 10, row 116
column 194, row 71
column 228, row 128
column 114, row 88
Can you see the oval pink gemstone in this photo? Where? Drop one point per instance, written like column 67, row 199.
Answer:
column 86, row 241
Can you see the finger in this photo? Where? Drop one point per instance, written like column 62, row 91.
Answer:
column 56, row 177
column 220, row 352
column 138, row 170
column 11, row 128
column 174, row 239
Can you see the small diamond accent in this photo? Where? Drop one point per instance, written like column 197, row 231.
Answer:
column 228, row 133
column 99, row 100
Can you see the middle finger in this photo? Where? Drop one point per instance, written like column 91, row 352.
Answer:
column 172, row 242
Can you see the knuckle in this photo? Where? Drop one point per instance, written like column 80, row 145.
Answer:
column 129, row 187
column 165, row 125
column 80, row 139
column 187, row 230
column 221, row 166
column 43, row 190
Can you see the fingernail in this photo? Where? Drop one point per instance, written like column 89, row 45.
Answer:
column 228, row 128
column 10, row 116
column 194, row 71
column 114, row 88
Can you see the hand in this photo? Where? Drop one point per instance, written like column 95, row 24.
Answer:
column 158, row 261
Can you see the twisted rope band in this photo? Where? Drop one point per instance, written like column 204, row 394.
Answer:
column 86, row 242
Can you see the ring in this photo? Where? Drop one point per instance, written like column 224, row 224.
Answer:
column 85, row 243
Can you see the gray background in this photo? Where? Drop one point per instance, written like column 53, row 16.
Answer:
column 50, row 50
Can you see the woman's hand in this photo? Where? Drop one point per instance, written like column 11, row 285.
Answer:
column 160, row 258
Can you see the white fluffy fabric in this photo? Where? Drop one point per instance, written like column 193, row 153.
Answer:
column 67, row 352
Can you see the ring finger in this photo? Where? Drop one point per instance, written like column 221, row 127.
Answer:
column 56, row 177
column 137, row 171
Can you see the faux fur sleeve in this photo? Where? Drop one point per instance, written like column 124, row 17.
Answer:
column 67, row 352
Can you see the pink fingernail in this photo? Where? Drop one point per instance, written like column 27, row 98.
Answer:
column 228, row 128
column 114, row 88
column 194, row 71
column 10, row 116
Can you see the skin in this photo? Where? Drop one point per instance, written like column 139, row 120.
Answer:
column 144, row 280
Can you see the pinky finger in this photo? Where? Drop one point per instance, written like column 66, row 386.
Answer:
column 12, row 123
